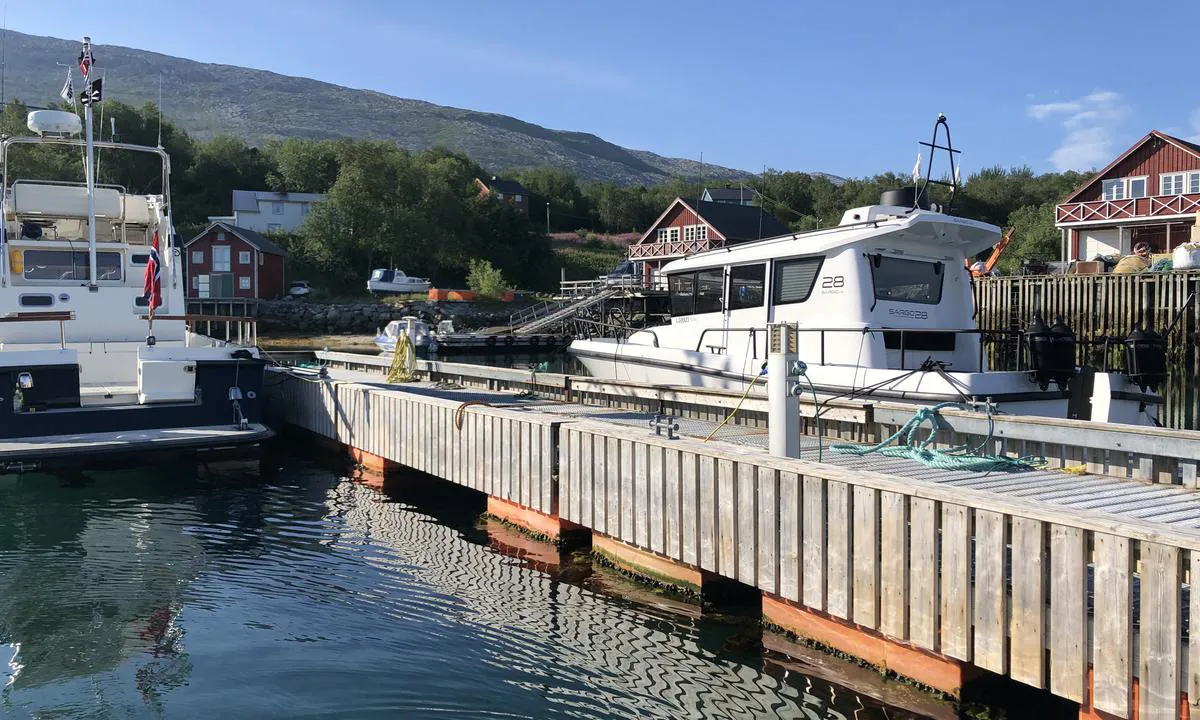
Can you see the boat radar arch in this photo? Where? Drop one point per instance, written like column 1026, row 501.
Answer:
column 56, row 123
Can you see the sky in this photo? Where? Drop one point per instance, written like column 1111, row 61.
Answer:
column 841, row 87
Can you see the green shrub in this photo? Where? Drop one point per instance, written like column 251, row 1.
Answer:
column 486, row 280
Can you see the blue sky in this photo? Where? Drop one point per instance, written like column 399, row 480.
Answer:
column 845, row 87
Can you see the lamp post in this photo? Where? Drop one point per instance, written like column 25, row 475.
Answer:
column 547, row 217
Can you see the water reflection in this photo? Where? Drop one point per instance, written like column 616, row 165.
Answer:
column 288, row 591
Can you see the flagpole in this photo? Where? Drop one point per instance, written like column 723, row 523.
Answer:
column 90, row 179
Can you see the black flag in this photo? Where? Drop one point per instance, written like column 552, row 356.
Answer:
column 94, row 92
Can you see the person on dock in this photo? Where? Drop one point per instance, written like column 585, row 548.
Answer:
column 1138, row 262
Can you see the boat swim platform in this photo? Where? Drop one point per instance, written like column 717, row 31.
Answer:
column 65, row 449
column 1074, row 583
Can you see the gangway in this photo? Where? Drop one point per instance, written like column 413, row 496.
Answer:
column 543, row 316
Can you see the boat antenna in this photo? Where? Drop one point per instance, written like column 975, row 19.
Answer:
column 933, row 146
column 160, row 110
column 760, row 202
column 87, row 64
column 3, row 54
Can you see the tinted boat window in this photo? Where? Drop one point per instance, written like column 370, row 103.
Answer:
column 794, row 279
column 746, row 286
column 683, row 300
column 36, row 300
column 710, row 290
column 68, row 265
column 900, row 280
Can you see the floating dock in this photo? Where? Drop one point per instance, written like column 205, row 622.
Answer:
column 1073, row 578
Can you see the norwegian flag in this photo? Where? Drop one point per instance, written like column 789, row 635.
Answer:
column 152, row 290
column 86, row 59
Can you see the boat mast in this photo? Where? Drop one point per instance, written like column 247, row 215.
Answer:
column 88, row 168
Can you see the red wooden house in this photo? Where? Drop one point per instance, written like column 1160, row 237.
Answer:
column 226, row 261
column 688, row 227
column 1151, row 193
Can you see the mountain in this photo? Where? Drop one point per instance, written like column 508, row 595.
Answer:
column 208, row 100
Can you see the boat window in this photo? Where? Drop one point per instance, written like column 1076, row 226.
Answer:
column 683, row 299
column 900, row 280
column 746, row 286
column 36, row 300
column 71, row 265
column 139, row 259
column 710, row 290
column 794, row 279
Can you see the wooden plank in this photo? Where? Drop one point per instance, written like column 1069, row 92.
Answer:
column 708, row 514
column 746, row 510
column 790, row 539
column 1068, row 612
column 990, row 606
column 956, row 581
column 838, row 580
column 814, row 542
column 923, row 574
column 627, row 498
column 893, row 571
column 689, row 507
column 769, row 535
column 1112, row 669
column 657, row 479
column 1159, row 632
column 865, row 562
column 641, row 495
column 1192, row 681
column 612, row 492
column 727, row 530
column 1027, row 625
column 672, row 523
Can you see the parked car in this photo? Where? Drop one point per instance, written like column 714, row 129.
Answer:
column 299, row 290
column 627, row 273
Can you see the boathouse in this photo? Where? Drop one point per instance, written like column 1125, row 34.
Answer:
column 1150, row 193
column 686, row 228
column 227, row 261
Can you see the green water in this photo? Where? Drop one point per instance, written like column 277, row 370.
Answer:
column 282, row 589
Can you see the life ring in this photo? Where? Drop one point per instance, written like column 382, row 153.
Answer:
column 491, row 340
column 508, row 340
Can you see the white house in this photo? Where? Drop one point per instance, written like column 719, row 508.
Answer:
column 265, row 212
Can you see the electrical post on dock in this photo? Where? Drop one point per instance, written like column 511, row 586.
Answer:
column 783, row 402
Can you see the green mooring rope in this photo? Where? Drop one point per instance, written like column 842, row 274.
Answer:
column 962, row 457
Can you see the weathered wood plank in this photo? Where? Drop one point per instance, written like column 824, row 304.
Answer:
column 672, row 523
column 893, row 570
column 612, row 489
column 627, row 499
column 641, row 495
column 746, row 512
column 839, row 571
column 956, row 581
column 656, row 478
column 708, row 513
column 768, row 522
column 1158, row 656
column 814, row 542
column 991, row 620
column 1112, row 669
column 791, row 524
column 865, row 563
column 727, row 535
column 689, row 508
column 1027, row 624
column 923, row 574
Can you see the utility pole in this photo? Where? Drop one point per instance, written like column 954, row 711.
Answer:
column 547, row 217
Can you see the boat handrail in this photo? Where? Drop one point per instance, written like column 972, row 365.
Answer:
column 621, row 333
column 69, row 183
column 59, row 316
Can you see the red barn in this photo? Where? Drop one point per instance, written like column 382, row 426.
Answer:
column 1150, row 193
column 226, row 261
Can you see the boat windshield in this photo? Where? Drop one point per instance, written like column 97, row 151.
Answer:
column 912, row 281
column 382, row 275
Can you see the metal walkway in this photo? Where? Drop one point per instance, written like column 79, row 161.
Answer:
column 1171, row 505
column 566, row 312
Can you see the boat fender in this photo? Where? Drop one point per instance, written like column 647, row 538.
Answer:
column 508, row 340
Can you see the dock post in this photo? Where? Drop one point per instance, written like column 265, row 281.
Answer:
column 783, row 405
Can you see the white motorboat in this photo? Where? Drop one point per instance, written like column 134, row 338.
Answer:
column 884, row 310
column 394, row 282
column 416, row 329
column 95, row 355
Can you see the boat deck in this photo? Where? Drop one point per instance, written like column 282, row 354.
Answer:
column 35, row 450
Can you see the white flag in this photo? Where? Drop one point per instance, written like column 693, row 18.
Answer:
column 916, row 173
column 68, row 90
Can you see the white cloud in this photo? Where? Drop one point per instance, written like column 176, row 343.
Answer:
column 1090, row 123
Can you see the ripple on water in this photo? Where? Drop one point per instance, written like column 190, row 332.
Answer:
column 314, row 597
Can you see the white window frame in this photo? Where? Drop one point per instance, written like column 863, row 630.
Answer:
column 1129, row 181
column 1177, row 180
column 517, row 197
column 197, row 257
column 274, row 227
column 225, row 264
column 305, row 209
column 195, row 282
column 1120, row 184
column 276, row 207
column 668, row 234
column 689, row 233
column 499, row 196
column 243, row 257
column 243, row 282
column 701, row 232
column 1193, row 182
column 220, row 236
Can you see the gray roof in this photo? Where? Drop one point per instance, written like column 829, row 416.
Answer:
column 251, row 238
column 247, row 200
column 737, row 194
column 740, row 222
column 508, row 187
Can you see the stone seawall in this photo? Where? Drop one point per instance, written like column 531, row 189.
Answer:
column 287, row 316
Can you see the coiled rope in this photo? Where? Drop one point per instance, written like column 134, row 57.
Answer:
column 963, row 457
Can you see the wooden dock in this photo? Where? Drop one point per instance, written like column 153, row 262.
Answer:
column 1074, row 583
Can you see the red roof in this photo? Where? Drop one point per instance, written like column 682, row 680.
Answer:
column 1184, row 145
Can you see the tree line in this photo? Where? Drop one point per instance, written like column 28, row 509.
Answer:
column 424, row 212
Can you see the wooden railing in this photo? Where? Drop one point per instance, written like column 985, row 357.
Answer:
column 1128, row 209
